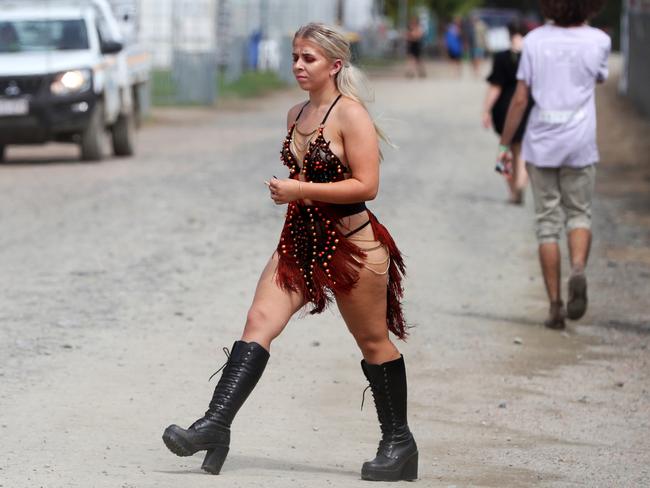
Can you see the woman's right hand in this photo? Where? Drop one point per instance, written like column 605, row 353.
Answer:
column 486, row 119
column 285, row 190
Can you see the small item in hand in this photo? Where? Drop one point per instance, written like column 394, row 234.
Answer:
column 501, row 167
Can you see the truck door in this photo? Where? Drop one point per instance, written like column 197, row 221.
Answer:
column 110, row 71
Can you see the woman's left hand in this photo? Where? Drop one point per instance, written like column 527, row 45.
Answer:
column 505, row 160
column 284, row 191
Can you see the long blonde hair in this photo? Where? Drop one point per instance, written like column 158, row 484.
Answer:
column 350, row 80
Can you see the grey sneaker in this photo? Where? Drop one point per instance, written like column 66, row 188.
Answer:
column 577, row 303
column 556, row 316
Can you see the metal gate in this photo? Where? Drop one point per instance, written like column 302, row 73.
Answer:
column 635, row 42
column 182, row 35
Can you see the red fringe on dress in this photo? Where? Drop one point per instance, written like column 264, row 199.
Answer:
column 316, row 260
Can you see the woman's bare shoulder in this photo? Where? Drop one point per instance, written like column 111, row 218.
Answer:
column 352, row 111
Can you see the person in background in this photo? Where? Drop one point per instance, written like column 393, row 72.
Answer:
column 8, row 38
column 561, row 62
column 473, row 33
column 454, row 44
column 501, row 87
column 414, row 38
column 480, row 43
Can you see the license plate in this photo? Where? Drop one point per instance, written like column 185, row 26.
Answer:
column 18, row 106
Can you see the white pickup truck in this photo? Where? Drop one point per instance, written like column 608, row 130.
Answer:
column 68, row 73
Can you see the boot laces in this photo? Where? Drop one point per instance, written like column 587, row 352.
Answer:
column 363, row 396
column 226, row 351
column 386, row 420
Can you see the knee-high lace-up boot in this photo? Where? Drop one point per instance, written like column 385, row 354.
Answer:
column 397, row 454
column 211, row 433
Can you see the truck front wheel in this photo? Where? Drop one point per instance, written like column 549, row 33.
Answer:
column 123, row 132
column 92, row 138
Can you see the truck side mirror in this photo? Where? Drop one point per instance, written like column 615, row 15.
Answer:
column 111, row 47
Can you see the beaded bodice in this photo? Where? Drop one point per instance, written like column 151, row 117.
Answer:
column 319, row 164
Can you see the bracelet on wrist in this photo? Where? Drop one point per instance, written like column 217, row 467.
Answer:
column 504, row 147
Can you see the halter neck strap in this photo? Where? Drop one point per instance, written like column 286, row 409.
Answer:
column 300, row 113
column 326, row 115
column 330, row 109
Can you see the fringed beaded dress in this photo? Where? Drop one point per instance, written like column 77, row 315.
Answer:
column 315, row 257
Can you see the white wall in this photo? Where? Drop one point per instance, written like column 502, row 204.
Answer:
column 358, row 14
column 195, row 28
column 156, row 30
column 284, row 16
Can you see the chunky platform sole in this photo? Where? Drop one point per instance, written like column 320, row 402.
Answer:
column 407, row 471
column 176, row 443
column 577, row 304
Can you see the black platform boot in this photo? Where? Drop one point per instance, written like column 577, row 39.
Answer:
column 211, row 433
column 397, row 454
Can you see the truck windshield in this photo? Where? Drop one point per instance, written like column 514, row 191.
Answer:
column 42, row 35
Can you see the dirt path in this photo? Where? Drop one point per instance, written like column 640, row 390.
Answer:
column 122, row 281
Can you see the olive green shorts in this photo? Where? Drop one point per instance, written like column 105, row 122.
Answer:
column 562, row 199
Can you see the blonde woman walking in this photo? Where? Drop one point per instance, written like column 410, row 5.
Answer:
column 332, row 248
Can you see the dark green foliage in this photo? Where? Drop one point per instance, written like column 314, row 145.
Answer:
column 608, row 17
column 445, row 9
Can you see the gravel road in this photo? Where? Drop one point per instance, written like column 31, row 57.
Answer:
column 122, row 281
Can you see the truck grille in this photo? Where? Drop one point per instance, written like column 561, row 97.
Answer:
column 14, row 86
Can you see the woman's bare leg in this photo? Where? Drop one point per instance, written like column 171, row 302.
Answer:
column 422, row 72
column 364, row 312
column 364, row 309
column 411, row 66
column 271, row 309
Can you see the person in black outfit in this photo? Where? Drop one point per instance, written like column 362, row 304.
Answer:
column 414, row 38
column 502, row 83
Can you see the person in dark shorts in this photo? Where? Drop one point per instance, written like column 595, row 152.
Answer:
column 501, row 87
column 414, row 36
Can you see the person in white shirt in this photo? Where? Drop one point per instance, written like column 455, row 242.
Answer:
column 561, row 63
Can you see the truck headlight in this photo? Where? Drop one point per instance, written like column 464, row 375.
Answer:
column 73, row 81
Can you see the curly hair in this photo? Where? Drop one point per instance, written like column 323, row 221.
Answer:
column 570, row 12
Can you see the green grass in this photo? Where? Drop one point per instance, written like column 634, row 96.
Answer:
column 251, row 84
column 377, row 63
column 162, row 87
